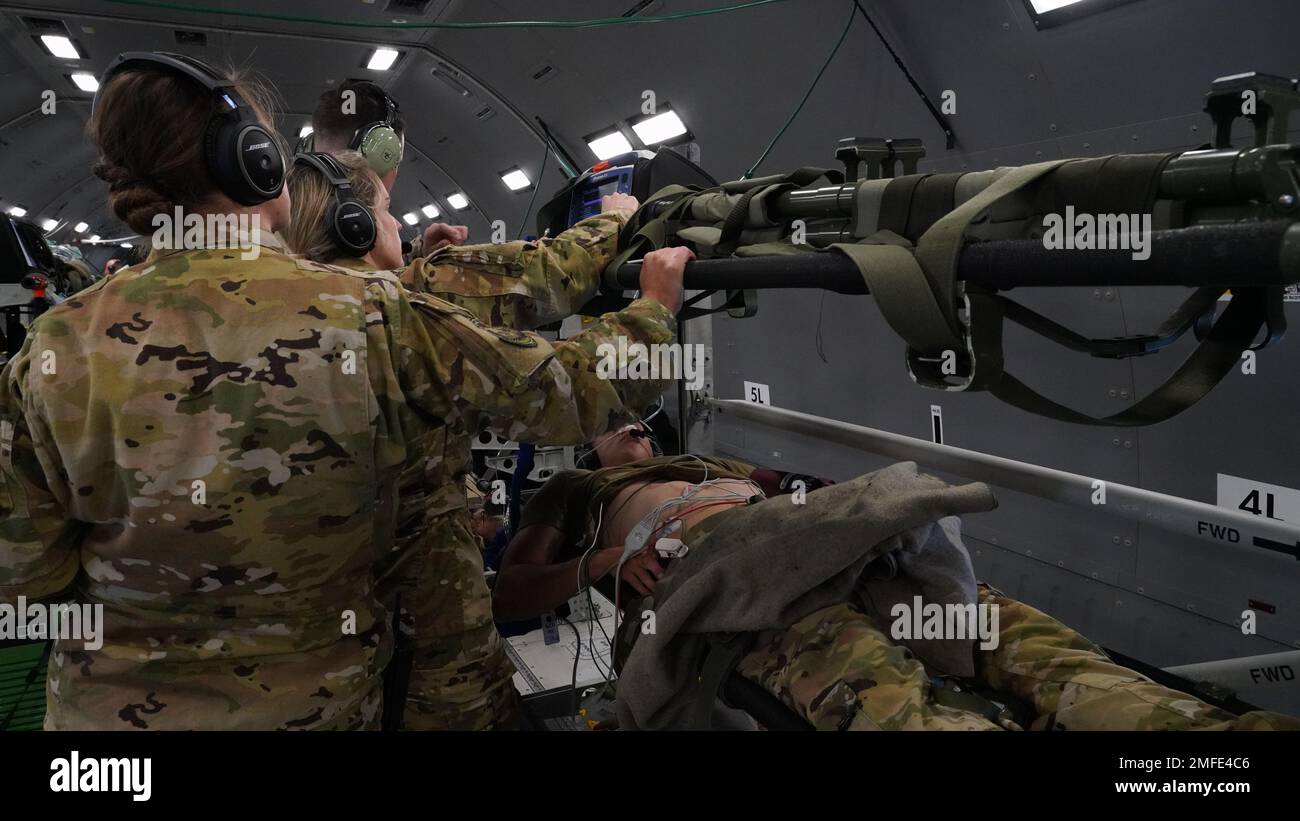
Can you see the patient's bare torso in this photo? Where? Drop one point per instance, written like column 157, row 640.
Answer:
column 639, row 499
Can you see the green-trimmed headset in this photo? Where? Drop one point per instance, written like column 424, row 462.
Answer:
column 377, row 141
column 243, row 158
column 352, row 223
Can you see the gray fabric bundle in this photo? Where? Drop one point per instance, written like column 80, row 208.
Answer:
column 766, row 566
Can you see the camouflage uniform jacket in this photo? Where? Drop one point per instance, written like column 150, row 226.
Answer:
column 460, row 676
column 210, row 448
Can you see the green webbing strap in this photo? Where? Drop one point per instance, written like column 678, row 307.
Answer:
column 729, row 239
column 958, row 694
column 934, row 197
column 899, row 287
column 896, row 203
column 1213, row 358
column 919, row 307
column 799, row 177
column 724, row 652
column 738, row 218
column 1197, row 308
column 938, row 250
column 916, row 292
column 653, row 234
column 1120, row 183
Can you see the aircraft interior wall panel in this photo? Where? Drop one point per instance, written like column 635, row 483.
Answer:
column 774, row 347
column 1245, row 428
column 1180, row 457
column 1131, row 623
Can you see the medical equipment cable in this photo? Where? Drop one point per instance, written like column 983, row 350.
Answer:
column 647, row 419
column 591, row 608
column 654, row 516
column 573, row 691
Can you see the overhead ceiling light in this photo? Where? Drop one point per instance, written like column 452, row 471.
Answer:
column 382, row 59
column 94, row 238
column 49, row 225
column 80, row 227
column 430, row 210
column 86, row 82
column 304, row 131
column 1050, row 13
column 659, row 127
column 60, row 47
column 125, row 244
column 18, row 211
column 1044, row 6
column 608, row 145
column 515, row 179
column 458, row 201
column 410, row 218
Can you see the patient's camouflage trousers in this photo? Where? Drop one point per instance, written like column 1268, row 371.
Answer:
column 839, row 670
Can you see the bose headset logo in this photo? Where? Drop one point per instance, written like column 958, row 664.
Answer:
column 351, row 216
column 258, row 146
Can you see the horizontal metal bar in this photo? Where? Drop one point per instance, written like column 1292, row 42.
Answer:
column 1235, row 672
column 1232, row 255
column 1197, row 520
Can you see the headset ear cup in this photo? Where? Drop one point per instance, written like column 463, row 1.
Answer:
column 382, row 148
column 354, row 227
column 244, row 160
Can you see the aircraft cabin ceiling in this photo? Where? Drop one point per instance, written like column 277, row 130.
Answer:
column 473, row 98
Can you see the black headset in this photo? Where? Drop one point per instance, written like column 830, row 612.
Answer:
column 243, row 158
column 352, row 223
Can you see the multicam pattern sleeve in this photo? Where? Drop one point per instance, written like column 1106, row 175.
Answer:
column 38, row 556
column 522, row 284
column 521, row 385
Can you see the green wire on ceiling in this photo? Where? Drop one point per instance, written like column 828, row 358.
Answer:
column 848, row 24
column 508, row 24
column 519, row 24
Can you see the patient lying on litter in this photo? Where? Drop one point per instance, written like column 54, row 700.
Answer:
column 856, row 605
